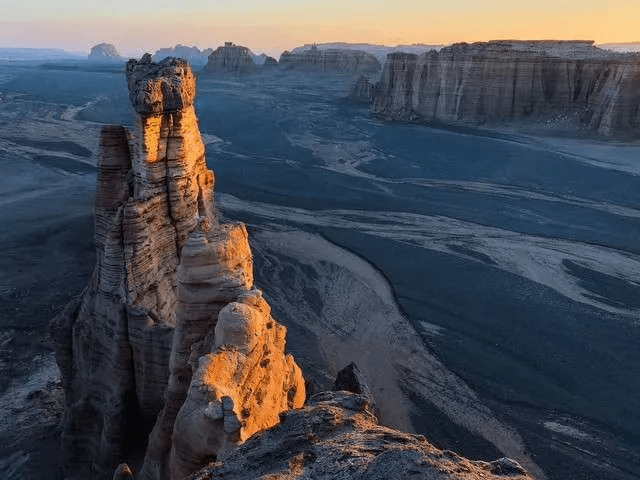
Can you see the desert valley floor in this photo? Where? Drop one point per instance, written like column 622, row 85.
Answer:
column 486, row 282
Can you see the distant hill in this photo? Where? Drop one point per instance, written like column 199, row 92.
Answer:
column 621, row 47
column 378, row 51
column 39, row 54
column 193, row 55
column 104, row 52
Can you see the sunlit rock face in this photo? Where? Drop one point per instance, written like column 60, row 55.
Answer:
column 338, row 436
column 237, row 388
column 230, row 59
column 331, row 61
column 573, row 84
column 166, row 268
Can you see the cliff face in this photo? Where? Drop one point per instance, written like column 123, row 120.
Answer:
column 504, row 81
column 230, row 59
column 166, row 269
column 362, row 91
column 331, row 60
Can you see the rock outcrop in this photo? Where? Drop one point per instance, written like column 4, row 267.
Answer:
column 331, row 61
column 362, row 91
column 166, row 272
column 230, row 58
column 193, row 55
column 337, row 436
column 104, row 52
column 239, row 378
column 570, row 84
column 270, row 61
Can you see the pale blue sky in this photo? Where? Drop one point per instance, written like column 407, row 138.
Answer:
column 140, row 25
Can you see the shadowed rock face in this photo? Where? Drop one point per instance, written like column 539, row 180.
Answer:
column 337, row 436
column 572, row 82
column 331, row 60
column 128, row 346
column 362, row 91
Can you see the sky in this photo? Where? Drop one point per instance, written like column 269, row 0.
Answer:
column 136, row 26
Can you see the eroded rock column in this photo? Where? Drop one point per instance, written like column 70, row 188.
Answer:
column 165, row 271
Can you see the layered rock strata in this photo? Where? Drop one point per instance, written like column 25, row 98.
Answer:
column 230, row 58
column 166, row 269
column 331, row 61
column 337, row 436
column 573, row 84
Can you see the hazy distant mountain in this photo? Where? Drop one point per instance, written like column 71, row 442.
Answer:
column 622, row 47
column 39, row 54
column 331, row 60
column 378, row 51
column 193, row 55
column 104, row 52
column 259, row 59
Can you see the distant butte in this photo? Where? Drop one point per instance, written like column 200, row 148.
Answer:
column 332, row 60
column 104, row 52
column 230, row 58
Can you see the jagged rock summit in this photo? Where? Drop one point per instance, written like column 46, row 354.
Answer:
column 104, row 52
column 171, row 296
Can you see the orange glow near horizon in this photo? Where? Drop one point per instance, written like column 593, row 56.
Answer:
column 285, row 24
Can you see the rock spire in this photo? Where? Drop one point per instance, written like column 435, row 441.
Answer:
column 167, row 273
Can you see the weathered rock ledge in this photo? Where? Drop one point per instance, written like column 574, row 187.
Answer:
column 337, row 436
column 566, row 84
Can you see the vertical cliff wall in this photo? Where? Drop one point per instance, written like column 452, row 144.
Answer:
column 572, row 82
column 166, row 268
column 331, row 60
